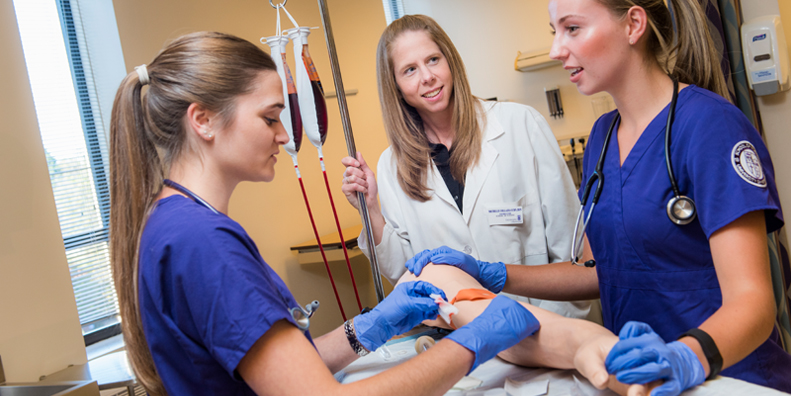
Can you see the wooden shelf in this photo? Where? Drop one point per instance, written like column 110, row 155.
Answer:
column 308, row 252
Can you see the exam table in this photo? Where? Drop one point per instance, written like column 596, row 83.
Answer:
column 497, row 376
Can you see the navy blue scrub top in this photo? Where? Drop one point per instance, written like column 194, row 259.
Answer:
column 654, row 271
column 206, row 296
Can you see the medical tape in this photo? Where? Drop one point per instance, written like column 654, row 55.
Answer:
column 446, row 309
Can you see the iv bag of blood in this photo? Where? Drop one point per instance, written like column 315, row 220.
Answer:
column 290, row 116
column 309, row 89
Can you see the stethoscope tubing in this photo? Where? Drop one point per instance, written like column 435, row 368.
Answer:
column 679, row 202
column 301, row 315
column 185, row 191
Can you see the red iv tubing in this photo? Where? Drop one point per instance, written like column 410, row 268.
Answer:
column 321, row 248
column 321, row 115
column 340, row 233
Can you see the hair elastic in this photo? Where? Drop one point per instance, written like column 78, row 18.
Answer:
column 142, row 74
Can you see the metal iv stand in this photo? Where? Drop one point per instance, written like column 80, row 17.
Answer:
column 350, row 146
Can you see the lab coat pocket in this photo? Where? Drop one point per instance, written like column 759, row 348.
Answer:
column 517, row 228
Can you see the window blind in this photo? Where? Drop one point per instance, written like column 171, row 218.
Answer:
column 394, row 9
column 72, row 132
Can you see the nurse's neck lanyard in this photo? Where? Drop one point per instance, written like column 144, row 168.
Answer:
column 680, row 208
column 195, row 197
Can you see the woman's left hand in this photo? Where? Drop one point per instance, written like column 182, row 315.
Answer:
column 404, row 308
column 642, row 356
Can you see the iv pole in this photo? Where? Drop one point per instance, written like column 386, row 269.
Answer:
column 350, row 146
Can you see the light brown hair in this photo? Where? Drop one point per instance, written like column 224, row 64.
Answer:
column 404, row 126
column 211, row 69
column 687, row 53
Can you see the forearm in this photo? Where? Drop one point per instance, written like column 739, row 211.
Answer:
column 278, row 362
column 746, row 317
column 558, row 281
column 335, row 350
column 433, row 372
column 558, row 342
column 377, row 223
column 738, row 328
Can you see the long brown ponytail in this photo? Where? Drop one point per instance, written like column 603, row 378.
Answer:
column 687, row 53
column 208, row 68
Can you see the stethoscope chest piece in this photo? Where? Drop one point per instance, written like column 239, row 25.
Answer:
column 302, row 315
column 681, row 210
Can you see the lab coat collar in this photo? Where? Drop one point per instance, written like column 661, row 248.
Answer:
column 477, row 175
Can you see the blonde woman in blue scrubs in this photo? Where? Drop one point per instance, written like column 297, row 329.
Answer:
column 700, row 283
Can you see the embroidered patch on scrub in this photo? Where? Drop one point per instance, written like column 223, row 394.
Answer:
column 747, row 164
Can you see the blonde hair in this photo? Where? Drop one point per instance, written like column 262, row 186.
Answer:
column 404, row 126
column 208, row 68
column 688, row 54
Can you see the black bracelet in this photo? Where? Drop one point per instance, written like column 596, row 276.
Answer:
column 351, row 335
column 710, row 350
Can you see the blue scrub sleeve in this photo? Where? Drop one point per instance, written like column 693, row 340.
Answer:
column 722, row 163
column 233, row 298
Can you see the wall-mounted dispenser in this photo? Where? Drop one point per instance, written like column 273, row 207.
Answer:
column 554, row 103
column 766, row 55
column 531, row 61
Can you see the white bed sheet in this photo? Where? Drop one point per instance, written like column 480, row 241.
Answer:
column 561, row 382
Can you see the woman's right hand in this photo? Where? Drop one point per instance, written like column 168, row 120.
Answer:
column 358, row 177
column 502, row 325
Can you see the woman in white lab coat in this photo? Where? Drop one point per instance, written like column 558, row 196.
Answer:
column 481, row 177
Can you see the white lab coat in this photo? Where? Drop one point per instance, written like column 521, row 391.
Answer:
column 520, row 166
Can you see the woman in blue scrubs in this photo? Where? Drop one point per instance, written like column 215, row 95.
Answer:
column 704, row 287
column 203, row 314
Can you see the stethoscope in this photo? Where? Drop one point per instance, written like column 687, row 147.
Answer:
column 680, row 208
column 301, row 315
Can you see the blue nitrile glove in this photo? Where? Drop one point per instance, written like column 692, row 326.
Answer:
column 502, row 325
column 404, row 308
column 641, row 356
column 491, row 275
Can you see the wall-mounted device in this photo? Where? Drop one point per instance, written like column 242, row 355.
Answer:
column 766, row 55
column 553, row 100
column 531, row 61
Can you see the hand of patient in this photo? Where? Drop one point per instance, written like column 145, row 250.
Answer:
column 404, row 308
column 492, row 276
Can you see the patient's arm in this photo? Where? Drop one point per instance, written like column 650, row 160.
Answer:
column 561, row 342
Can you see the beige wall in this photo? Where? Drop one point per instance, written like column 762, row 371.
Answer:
column 274, row 213
column 488, row 36
column 776, row 109
column 39, row 327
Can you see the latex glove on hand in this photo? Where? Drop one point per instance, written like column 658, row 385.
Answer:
column 641, row 356
column 490, row 275
column 404, row 308
column 502, row 325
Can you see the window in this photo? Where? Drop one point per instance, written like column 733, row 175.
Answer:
column 394, row 9
column 73, row 134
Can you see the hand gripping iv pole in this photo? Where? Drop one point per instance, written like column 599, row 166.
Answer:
column 350, row 146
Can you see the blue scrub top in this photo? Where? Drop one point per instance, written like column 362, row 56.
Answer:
column 206, row 296
column 654, row 271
